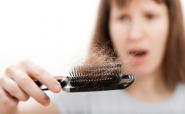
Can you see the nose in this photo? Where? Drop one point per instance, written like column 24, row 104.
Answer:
column 136, row 30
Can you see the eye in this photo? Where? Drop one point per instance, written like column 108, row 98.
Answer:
column 123, row 17
column 150, row 16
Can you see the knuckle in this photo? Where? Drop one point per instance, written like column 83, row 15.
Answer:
column 37, row 73
column 39, row 68
column 16, row 93
column 10, row 69
column 12, row 89
column 23, row 81
column 24, row 62
column 42, row 71
column 42, row 74
column 25, row 98
column 14, row 72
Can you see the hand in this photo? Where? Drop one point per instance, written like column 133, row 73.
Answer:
column 17, row 84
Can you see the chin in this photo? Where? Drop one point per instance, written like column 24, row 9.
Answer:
column 141, row 71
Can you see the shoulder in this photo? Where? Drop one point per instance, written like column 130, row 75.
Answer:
column 180, row 94
column 181, row 88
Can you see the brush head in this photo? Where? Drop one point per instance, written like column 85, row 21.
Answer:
column 97, row 78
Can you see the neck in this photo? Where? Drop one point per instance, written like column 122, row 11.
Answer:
column 149, row 88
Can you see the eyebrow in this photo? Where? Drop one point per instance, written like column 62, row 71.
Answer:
column 122, row 3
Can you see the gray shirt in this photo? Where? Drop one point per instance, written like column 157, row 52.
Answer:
column 118, row 102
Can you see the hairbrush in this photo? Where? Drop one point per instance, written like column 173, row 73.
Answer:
column 95, row 78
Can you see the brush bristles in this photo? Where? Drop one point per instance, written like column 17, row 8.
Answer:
column 96, row 75
column 96, row 70
column 96, row 81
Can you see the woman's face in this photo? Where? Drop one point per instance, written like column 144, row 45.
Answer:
column 139, row 32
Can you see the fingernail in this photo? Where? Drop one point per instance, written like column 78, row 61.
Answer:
column 57, row 88
column 46, row 101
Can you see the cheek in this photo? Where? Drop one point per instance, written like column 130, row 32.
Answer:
column 158, row 41
column 159, row 37
column 118, row 35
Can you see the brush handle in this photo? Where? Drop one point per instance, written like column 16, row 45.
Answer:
column 62, row 82
column 128, row 80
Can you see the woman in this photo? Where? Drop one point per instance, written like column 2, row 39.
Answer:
column 146, row 34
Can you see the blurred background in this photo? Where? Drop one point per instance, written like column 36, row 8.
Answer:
column 54, row 34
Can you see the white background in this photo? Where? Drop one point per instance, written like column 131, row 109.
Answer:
column 55, row 34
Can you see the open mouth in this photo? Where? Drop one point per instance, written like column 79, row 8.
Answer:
column 138, row 53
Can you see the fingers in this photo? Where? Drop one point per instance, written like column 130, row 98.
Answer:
column 19, row 82
column 43, row 76
column 14, row 90
column 27, row 85
column 6, row 100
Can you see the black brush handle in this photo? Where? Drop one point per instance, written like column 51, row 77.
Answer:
column 62, row 82
column 129, row 79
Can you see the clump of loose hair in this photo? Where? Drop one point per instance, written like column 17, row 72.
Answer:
column 101, row 55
